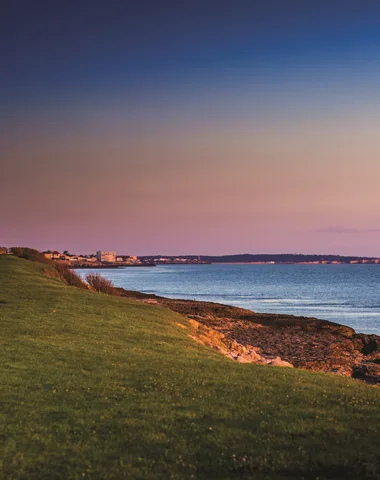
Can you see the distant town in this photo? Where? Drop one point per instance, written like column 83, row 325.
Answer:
column 103, row 259
column 112, row 259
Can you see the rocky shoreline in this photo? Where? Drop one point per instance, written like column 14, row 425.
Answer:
column 281, row 340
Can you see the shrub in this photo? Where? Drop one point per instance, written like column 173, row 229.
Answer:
column 3, row 250
column 68, row 276
column 101, row 284
column 29, row 254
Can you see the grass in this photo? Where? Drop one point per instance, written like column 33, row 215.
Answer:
column 97, row 386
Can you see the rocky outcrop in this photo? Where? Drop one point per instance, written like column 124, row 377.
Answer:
column 233, row 349
column 368, row 370
column 285, row 340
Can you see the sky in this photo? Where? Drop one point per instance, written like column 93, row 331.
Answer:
column 192, row 127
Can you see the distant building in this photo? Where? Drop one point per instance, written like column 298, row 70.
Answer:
column 52, row 255
column 106, row 256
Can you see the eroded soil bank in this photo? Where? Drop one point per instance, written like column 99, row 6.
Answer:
column 284, row 340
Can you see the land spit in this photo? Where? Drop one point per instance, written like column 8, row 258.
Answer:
column 280, row 340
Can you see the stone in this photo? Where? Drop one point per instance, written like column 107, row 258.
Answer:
column 277, row 362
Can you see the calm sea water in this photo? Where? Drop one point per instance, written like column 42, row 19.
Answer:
column 346, row 294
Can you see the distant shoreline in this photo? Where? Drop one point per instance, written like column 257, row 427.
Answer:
column 291, row 263
column 113, row 266
column 88, row 267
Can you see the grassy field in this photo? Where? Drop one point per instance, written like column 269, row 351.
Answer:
column 95, row 386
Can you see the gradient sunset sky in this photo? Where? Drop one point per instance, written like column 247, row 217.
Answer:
column 190, row 127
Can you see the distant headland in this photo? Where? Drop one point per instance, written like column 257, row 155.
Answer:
column 290, row 258
column 282, row 258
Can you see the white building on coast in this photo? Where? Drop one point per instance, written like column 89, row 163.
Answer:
column 106, row 256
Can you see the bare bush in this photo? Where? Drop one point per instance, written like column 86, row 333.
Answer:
column 101, row 284
column 69, row 276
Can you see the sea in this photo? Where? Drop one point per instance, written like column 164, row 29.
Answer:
column 345, row 294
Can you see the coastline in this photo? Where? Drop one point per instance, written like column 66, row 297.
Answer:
column 268, row 263
column 307, row 343
column 105, row 266
column 87, row 267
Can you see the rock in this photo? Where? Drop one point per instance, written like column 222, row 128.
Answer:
column 194, row 324
column 277, row 362
column 242, row 359
column 180, row 325
column 368, row 370
column 151, row 301
column 371, row 344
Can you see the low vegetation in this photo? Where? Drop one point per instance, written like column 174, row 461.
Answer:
column 29, row 254
column 103, row 387
column 58, row 269
column 68, row 276
column 101, row 284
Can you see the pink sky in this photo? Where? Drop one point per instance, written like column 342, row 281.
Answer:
column 177, row 187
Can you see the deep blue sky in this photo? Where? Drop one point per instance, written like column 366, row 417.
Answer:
column 52, row 48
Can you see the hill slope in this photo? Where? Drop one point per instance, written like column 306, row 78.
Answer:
column 94, row 386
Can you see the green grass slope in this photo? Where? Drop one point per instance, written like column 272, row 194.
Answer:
column 95, row 386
